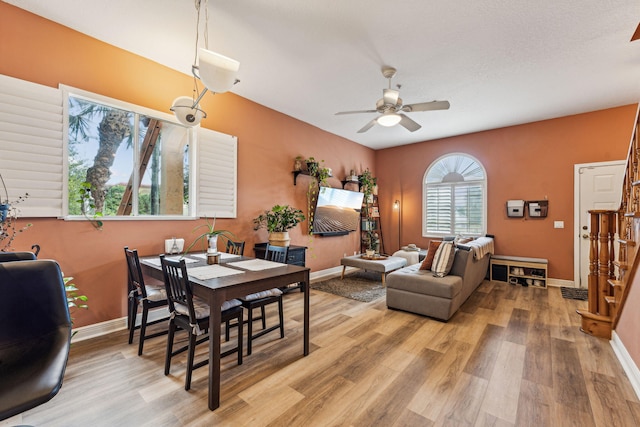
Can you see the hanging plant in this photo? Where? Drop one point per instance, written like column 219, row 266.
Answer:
column 88, row 206
column 320, row 174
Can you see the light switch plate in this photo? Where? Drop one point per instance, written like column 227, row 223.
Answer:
column 558, row 224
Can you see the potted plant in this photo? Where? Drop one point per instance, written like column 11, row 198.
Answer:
column 210, row 235
column 4, row 203
column 9, row 218
column 278, row 221
column 371, row 243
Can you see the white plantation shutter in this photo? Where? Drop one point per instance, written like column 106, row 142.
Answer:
column 468, row 209
column 439, row 203
column 455, row 197
column 31, row 146
column 216, row 174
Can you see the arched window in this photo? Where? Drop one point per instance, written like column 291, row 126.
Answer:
column 455, row 197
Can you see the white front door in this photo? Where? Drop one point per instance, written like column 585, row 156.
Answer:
column 598, row 186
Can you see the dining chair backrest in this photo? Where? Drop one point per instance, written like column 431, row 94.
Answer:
column 236, row 248
column 276, row 253
column 17, row 256
column 176, row 281
column 136, row 279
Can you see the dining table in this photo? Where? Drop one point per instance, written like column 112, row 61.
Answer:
column 235, row 276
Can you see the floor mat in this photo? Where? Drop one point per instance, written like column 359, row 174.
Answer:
column 574, row 293
column 365, row 287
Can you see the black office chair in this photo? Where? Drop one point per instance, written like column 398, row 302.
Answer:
column 17, row 256
column 35, row 335
column 192, row 315
column 149, row 297
column 262, row 299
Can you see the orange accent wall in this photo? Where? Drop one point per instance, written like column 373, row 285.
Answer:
column 41, row 51
column 533, row 161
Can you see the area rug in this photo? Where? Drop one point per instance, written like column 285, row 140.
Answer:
column 574, row 293
column 360, row 286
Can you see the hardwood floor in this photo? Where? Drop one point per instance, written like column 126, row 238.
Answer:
column 511, row 356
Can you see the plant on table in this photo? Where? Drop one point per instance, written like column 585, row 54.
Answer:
column 210, row 235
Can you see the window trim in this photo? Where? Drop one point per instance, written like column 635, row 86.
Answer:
column 425, row 185
column 137, row 110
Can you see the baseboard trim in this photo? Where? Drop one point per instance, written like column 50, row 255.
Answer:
column 114, row 325
column 627, row 362
column 561, row 283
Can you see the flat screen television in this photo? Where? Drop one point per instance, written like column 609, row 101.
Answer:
column 337, row 211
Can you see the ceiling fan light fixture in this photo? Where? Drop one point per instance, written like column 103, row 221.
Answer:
column 388, row 119
column 217, row 72
column 187, row 112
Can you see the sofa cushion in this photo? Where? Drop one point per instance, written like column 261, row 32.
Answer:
column 412, row 279
column 431, row 253
column 443, row 260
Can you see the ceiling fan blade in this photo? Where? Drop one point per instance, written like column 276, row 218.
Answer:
column 636, row 35
column 390, row 96
column 409, row 124
column 356, row 112
column 427, row 106
column 367, row 126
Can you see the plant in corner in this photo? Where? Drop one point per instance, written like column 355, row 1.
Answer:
column 278, row 221
column 9, row 218
column 211, row 235
column 73, row 299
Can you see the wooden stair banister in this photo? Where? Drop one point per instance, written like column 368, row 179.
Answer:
column 148, row 145
column 607, row 293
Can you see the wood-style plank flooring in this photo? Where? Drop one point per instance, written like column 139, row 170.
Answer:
column 511, row 356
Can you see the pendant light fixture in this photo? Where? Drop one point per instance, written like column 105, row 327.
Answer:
column 217, row 73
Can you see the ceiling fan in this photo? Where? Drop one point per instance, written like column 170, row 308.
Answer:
column 391, row 109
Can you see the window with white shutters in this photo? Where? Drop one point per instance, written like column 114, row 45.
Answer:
column 189, row 172
column 454, row 197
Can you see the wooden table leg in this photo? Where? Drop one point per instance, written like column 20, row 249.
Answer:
column 215, row 306
column 305, row 288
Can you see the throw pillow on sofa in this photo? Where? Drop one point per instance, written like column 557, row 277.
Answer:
column 431, row 253
column 443, row 259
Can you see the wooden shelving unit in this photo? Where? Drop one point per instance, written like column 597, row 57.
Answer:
column 519, row 270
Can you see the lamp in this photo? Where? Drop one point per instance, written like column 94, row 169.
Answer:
column 396, row 205
column 389, row 119
column 217, row 72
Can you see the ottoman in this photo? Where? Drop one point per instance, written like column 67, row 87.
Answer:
column 382, row 265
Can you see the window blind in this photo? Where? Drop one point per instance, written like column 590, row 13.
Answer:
column 216, row 174
column 31, row 146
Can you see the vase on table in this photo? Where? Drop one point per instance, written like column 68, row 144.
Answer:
column 212, row 244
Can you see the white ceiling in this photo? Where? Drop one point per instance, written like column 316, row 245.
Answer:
column 498, row 62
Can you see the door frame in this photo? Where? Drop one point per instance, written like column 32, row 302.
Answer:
column 576, row 212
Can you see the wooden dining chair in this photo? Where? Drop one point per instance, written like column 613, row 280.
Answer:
column 236, row 248
column 262, row 299
column 191, row 314
column 140, row 294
